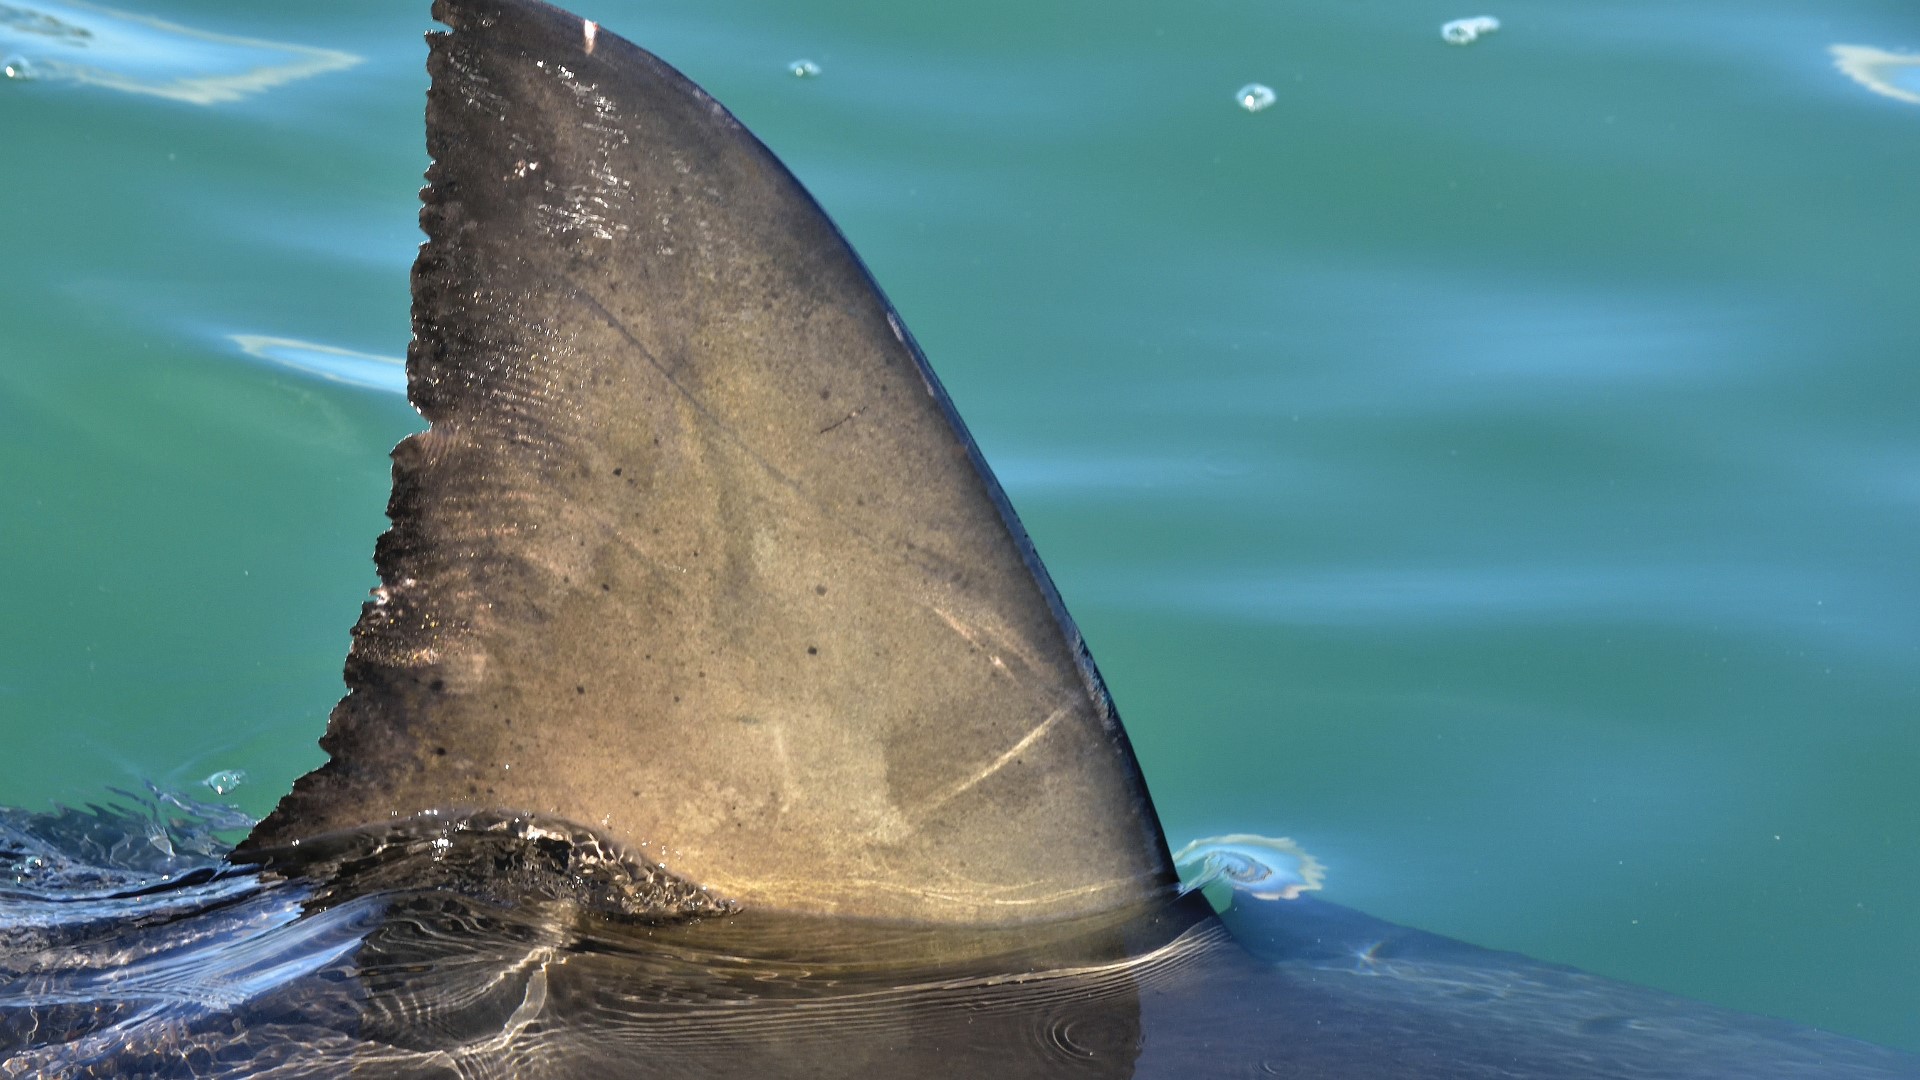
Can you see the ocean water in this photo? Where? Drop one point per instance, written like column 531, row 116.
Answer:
column 1495, row 466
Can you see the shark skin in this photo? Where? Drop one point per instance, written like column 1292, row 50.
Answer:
column 962, row 877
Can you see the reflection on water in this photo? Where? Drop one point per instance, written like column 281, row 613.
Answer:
column 328, row 362
column 77, row 42
column 1894, row 75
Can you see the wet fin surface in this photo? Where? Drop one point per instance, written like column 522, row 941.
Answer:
column 696, row 552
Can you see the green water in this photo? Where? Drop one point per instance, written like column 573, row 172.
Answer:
column 1496, row 467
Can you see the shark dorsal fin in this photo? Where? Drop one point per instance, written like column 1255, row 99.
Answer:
column 696, row 552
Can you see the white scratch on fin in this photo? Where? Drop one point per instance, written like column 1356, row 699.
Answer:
column 964, row 631
column 787, row 783
column 1000, row 762
column 958, row 626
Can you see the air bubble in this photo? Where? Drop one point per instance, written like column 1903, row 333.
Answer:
column 803, row 69
column 17, row 67
column 1468, row 31
column 1255, row 96
column 225, row 780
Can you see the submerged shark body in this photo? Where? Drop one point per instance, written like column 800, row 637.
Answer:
column 715, row 717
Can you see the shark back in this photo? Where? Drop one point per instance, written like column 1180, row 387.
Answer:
column 696, row 552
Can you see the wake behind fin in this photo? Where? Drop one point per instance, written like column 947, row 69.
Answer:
column 696, row 552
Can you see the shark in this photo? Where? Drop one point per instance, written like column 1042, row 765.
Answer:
column 715, row 716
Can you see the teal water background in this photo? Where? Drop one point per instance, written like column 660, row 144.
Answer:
column 1496, row 467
